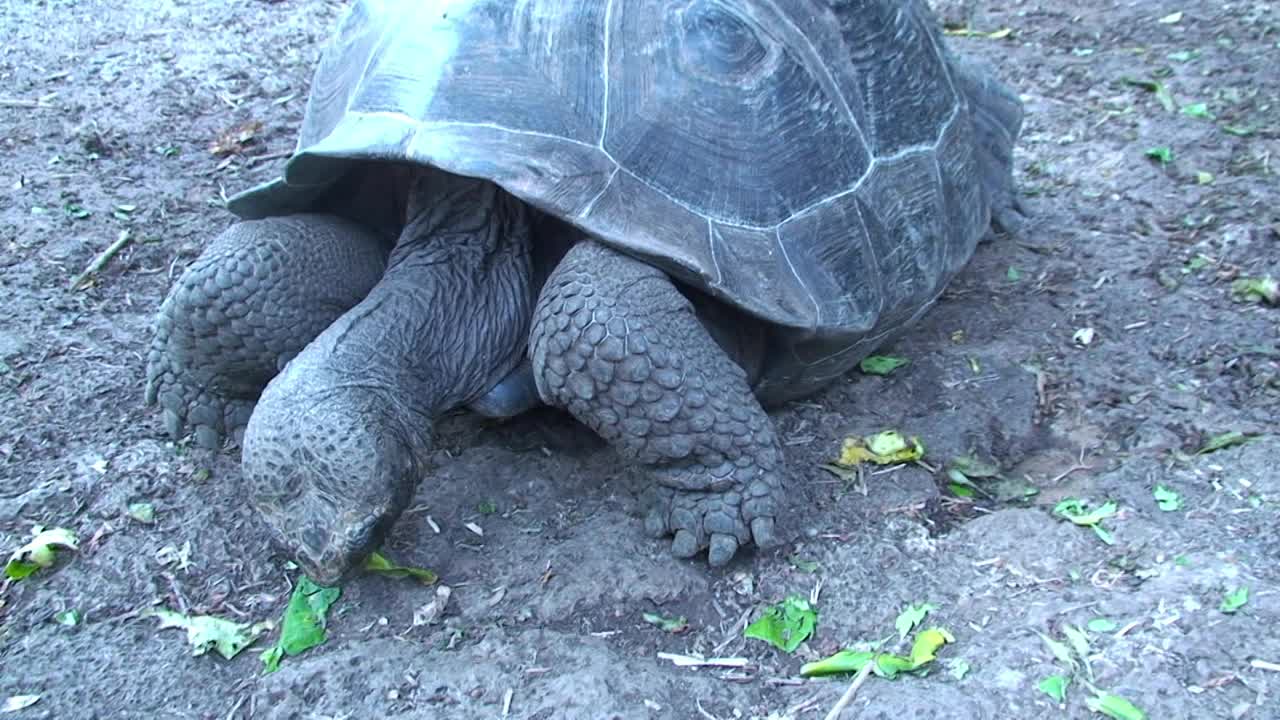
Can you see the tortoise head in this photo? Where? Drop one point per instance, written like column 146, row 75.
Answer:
column 329, row 474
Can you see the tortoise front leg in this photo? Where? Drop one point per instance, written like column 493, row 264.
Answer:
column 616, row 344
column 255, row 297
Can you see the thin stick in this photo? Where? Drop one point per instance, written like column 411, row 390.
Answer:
column 18, row 103
column 255, row 159
column 103, row 258
column 849, row 694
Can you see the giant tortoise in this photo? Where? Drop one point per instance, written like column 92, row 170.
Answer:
column 660, row 217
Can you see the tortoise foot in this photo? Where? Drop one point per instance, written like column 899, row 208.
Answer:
column 257, row 295
column 719, row 522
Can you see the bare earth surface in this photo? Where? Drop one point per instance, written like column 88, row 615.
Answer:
column 108, row 112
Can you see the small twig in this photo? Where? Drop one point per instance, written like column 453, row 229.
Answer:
column 506, row 702
column 703, row 712
column 255, row 159
column 689, row 661
column 849, row 694
column 18, row 103
column 234, row 708
column 102, row 259
column 1264, row 665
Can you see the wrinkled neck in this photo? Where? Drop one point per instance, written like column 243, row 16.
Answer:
column 449, row 319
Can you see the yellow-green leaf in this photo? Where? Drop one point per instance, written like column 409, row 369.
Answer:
column 378, row 563
column 785, row 625
column 39, row 552
column 885, row 448
column 1114, row 706
column 227, row 637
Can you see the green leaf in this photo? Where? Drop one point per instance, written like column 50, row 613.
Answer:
column 1076, row 510
column 804, row 564
column 227, row 637
column 885, row 448
column 1060, row 651
column 1183, row 55
column 1234, row 600
column 669, row 624
column 957, row 668
column 303, row 626
column 143, row 512
column 785, row 625
column 1013, row 274
column 925, row 648
column 887, row 665
column 845, row 661
column 76, row 211
column 1114, row 706
column 378, row 563
column 975, row 468
column 487, row 507
column 40, row 552
column 1199, row 111
column 70, row 618
column 912, row 616
column 1079, row 641
column 1204, row 178
column 1154, row 86
column 1223, row 441
column 1055, row 686
column 882, row 364
column 1263, row 289
column 1163, row 153
column 1101, row 625
column 1167, row 499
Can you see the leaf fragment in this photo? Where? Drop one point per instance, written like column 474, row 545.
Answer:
column 1055, row 686
column 910, row 617
column 1101, row 625
column 1235, row 600
column 70, row 618
column 673, row 625
column 205, row 632
column 1168, row 500
column 1155, row 87
column 887, row 665
column 1114, row 706
column 1077, row 511
column 233, row 140
column 304, row 623
column 882, row 364
column 1223, row 441
column 1199, row 111
column 1257, row 290
column 884, row 448
column 39, row 552
column 14, row 703
column 1163, row 153
column 785, row 625
column 143, row 512
column 378, row 563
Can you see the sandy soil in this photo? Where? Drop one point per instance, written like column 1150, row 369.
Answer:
column 107, row 115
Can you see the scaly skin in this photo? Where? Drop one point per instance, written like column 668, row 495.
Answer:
column 615, row 344
column 254, row 298
column 339, row 439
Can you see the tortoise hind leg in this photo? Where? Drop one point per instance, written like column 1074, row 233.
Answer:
column 616, row 344
column 997, row 122
column 259, row 293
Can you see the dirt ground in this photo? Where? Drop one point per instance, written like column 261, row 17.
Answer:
column 1092, row 357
